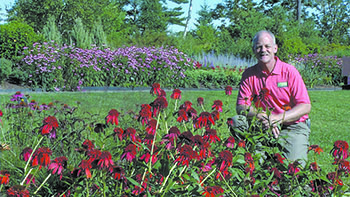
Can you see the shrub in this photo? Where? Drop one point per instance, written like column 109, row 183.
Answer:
column 14, row 36
column 5, row 69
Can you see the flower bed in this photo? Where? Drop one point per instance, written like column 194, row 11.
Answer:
column 168, row 147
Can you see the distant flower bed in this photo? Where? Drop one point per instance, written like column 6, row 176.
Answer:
column 169, row 147
column 51, row 67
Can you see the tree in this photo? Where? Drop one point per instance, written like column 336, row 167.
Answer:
column 188, row 18
column 152, row 17
column 50, row 31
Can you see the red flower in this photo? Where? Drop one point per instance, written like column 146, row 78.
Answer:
column 131, row 133
column 241, row 143
column 314, row 167
column 230, row 142
column 49, row 127
column 186, row 137
column 112, row 117
column 315, row 148
column 148, row 139
column 200, row 101
column 162, row 93
column 93, row 154
column 286, row 107
column 4, row 177
column 145, row 113
column 224, row 161
column 334, row 177
column 279, row 158
column 139, row 190
column 159, row 104
column 58, row 165
column 170, row 139
column 340, row 149
column 210, row 136
column 26, row 153
column 293, row 168
column 85, row 165
column 216, row 115
column 119, row 133
column 217, row 105
column 249, row 162
column 212, row 191
column 204, row 120
column 182, row 115
column 41, row 157
column 105, row 160
column 198, row 65
column 129, row 153
column 203, row 146
column 228, row 90
column 118, row 172
column 176, row 94
column 192, row 113
column 18, row 191
column 187, row 105
column 343, row 165
column 88, row 145
column 264, row 94
column 147, row 156
column 155, row 89
column 186, row 154
column 276, row 173
column 151, row 126
column 30, row 178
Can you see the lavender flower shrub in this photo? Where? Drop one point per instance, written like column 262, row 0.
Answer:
column 51, row 67
column 317, row 69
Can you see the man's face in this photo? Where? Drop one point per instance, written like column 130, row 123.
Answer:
column 265, row 49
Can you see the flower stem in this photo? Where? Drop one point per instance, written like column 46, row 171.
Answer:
column 42, row 183
column 26, row 176
column 166, row 179
column 30, row 157
column 228, row 185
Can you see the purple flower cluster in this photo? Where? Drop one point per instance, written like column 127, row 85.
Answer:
column 69, row 67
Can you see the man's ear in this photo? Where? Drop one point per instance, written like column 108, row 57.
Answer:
column 275, row 49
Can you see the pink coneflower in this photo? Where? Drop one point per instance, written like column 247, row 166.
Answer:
column 314, row 167
column 93, row 155
column 58, row 165
column 224, row 160
column 340, row 149
column 200, row 101
column 148, row 139
column 85, row 165
column 293, row 168
column 41, row 157
column 182, row 115
column 158, row 104
column 192, row 113
column 129, row 153
column 155, row 90
column 119, row 133
column 176, row 94
column 112, row 117
column 147, row 156
column 26, row 153
column 171, row 138
column 118, row 172
column 131, row 133
column 205, row 119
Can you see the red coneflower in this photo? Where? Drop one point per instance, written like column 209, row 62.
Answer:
column 192, row 113
column 182, row 115
column 200, row 101
column 49, row 127
column 340, row 149
column 105, row 160
column 88, row 145
column 205, row 119
column 145, row 113
column 131, row 133
column 171, row 138
column 187, row 105
column 162, row 93
column 343, row 165
column 216, row 115
column 249, row 162
column 26, row 153
column 139, row 190
column 217, row 105
column 118, row 172
column 230, row 142
column 241, row 143
column 158, row 104
column 129, row 153
column 4, row 177
column 264, row 94
column 315, row 148
column 85, row 165
column 151, row 126
column 30, row 178
column 148, row 139
column 176, row 94
column 210, row 135
column 224, row 160
column 293, row 168
column 279, row 158
column 41, row 157
column 212, row 191
column 185, row 155
column 314, row 167
column 18, row 191
column 155, row 90
column 112, row 117
column 58, row 165
column 147, row 156
column 93, row 155
column 186, row 137
column 119, row 133
column 228, row 90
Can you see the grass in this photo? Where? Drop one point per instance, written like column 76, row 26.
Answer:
column 329, row 115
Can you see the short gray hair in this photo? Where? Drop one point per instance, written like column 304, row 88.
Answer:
column 256, row 37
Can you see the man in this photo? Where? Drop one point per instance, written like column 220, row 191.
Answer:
column 275, row 86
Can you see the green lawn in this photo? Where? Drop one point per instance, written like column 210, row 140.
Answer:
column 329, row 114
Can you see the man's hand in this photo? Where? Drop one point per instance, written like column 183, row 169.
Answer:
column 271, row 121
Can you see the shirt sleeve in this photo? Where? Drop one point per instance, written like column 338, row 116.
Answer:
column 245, row 91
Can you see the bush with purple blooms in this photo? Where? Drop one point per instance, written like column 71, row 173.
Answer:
column 51, row 67
column 317, row 69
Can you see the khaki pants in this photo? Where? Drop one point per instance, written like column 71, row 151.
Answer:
column 294, row 138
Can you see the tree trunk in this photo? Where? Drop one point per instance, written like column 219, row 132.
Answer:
column 298, row 10
column 188, row 18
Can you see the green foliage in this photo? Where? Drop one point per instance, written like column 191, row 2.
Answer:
column 213, row 78
column 51, row 32
column 80, row 35
column 336, row 50
column 14, row 37
column 99, row 36
column 5, row 69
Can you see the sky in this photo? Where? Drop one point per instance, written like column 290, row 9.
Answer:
column 196, row 6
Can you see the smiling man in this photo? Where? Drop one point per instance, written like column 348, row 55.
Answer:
column 275, row 86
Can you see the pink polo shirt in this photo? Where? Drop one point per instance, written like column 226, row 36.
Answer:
column 282, row 87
